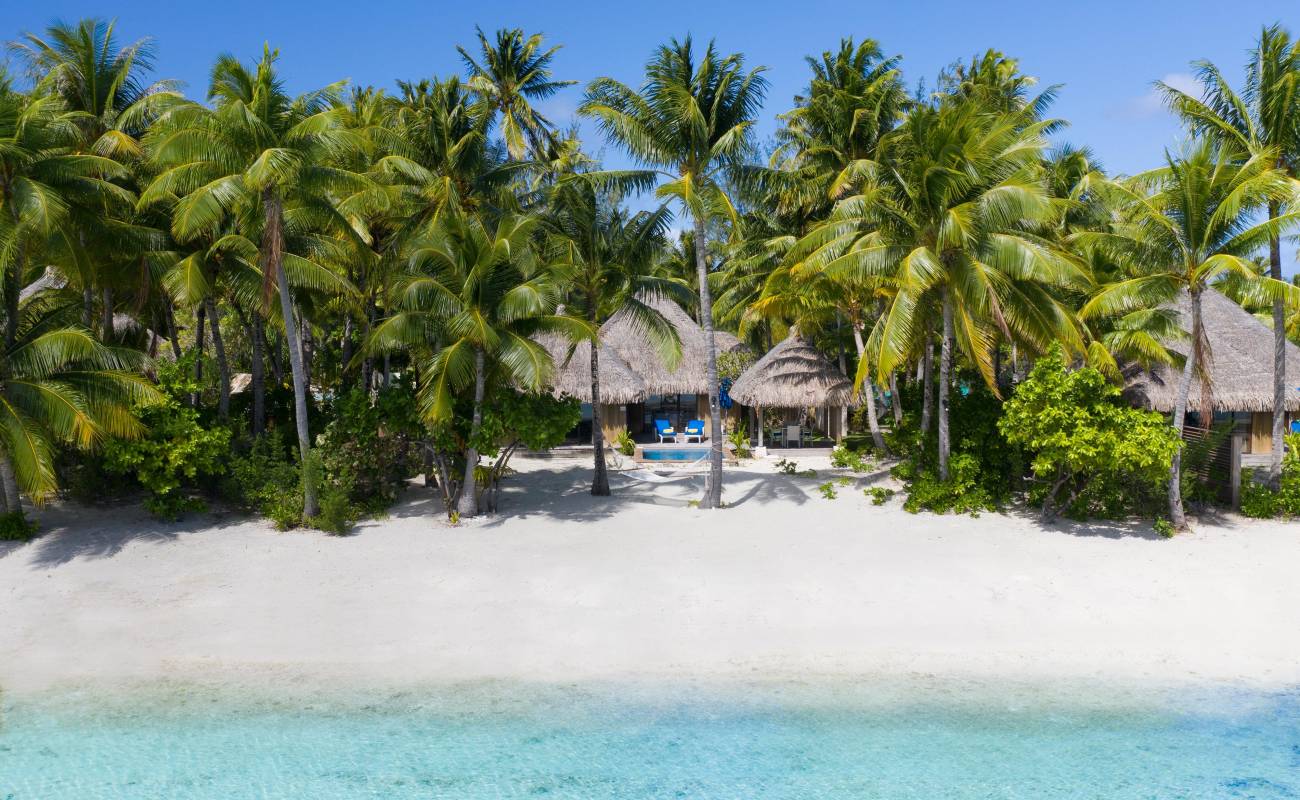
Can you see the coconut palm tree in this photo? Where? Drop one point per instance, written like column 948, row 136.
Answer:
column 691, row 122
column 515, row 72
column 1265, row 116
column 467, row 312
column 256, row 153
column 1185, row 225
column 605, row 257
column 949, row 221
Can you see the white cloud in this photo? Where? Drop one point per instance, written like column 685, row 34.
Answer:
column 1153, row 103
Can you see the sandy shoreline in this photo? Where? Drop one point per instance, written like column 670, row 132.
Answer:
column 563, row 588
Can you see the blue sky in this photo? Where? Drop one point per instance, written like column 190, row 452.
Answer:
column 1106, row 54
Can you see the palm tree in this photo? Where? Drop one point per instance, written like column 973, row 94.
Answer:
column 467, row 312
column 514, row 73
column 1185, row 225
column 258, row 151
column 691, row 122
column 59, row 385
column 949, row 222
column 1263, row 117
column 606, row 259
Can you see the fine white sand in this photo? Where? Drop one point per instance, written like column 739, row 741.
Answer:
column 561, row 587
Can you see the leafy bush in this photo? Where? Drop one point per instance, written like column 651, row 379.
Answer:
column 962, row 493
column 371, row 446
column 828, row 490
column 844, row 457
column 1090, row 449
column 739, row 440
column 267, row 480
column 878, row 494
column 15, row 527
column 178, row 450
column 1260, row 501
column 1164, row 527
column 624, row 443
column 786, row 467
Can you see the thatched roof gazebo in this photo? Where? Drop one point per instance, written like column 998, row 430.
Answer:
column 1240, row 363
column 618, row 383
column 625, row 336
column 794, row 374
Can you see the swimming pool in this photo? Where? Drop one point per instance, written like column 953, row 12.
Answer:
column 792, row 743
column 674, row 453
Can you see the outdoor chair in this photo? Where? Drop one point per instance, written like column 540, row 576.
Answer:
column 793, row 436
column 695, row 430
column 664, row 430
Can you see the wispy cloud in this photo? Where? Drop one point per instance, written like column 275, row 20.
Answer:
column 1152, row 103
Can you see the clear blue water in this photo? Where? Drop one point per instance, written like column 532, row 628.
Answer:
column 507, row 743
column 654, row 454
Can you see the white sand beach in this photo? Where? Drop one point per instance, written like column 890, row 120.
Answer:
column 564, row 587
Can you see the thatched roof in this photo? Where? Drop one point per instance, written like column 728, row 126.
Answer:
column 618, row 383
column 794, row 374
column 622, row 334
column 1240, row 364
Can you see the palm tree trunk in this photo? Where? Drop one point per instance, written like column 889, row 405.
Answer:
column 87, row 308
column 927, row 385
column 600, row 480
column 345, row 371
column 257, row 370
column 199, row 317
column 873, row 422
column 273, row 249
column 1176, row 515
column 106, row 315
column 1279, row 359
column 897, row 405
column 169, row 313
column 713, row 486
column 13, row 500
column 467, row 505
column 223, row 366
column 945, row 378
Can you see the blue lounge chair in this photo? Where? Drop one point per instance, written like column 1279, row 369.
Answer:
column 695, row 430
column 664, row 430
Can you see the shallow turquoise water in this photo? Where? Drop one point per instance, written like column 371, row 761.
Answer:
column 504, row 742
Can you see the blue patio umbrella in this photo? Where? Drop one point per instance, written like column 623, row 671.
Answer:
column 724, row 394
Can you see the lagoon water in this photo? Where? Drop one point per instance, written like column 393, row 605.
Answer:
column 798, row 741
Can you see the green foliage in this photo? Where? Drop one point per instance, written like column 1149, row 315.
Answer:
column 371, row 446
column 844, row 457
column 178, row 451
column 733, row 363
column 624, row 443
column 962, row 493
column 827, row 490
column 1258, row 500
column 878, row 494
column 1164, row 527
column 1089, row 448
column 739, row 440
column 267, row 480
column 15, row 527
column 786, row 467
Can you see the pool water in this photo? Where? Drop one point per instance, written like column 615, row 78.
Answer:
column 674, row 454
column 504, row 742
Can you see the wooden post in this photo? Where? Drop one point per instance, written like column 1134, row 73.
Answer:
column 760, row 425
column 1235, row 469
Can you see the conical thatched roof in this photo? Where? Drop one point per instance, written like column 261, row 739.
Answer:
column 622, row 334
column 794, row 374
column 618, row 383
column 1240, row 364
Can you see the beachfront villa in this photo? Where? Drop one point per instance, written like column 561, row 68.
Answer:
column 791, row 378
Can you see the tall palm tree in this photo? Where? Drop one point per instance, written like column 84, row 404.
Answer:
column 950, row 223
column 606, row 257
column 1265, row 116
column 514, row 73
column 690, row 121
column 467, row 312
column 1187, row 224
column 256, row 152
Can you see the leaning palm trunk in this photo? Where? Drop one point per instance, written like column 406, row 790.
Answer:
column 927, row 385
column 713, row 487
column 599, row 481
column 273, row 241
column 1176, row 515
column 106, row 316
column 897, row 405
column 257, row 370
column 945, row 377
column 223, row 366
column 873, row 423
column 467, row 504
column 1279, row 359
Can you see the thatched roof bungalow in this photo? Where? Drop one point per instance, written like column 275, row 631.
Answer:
column 626, row 337
column 618, row 383
column 1240, row 363
column 794, row 374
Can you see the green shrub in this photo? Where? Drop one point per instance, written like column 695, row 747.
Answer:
column 828, row 490
column 624, row 443
column 878, row 494
column 15, row 527
column 739, row 440
column 267, row 480
column 1258, row 500
column 1090, row 449
column 372, row 445
column 336, row 509
column 178, row 451
column 1164, row 527
column 786, row 467
column 844, row 457
column 962, row 493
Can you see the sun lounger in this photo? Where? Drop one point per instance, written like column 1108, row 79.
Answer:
column 664, row 430
column 695, row 430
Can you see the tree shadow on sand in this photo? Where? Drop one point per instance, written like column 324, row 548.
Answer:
column 71, row 531
column 1114, row 528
